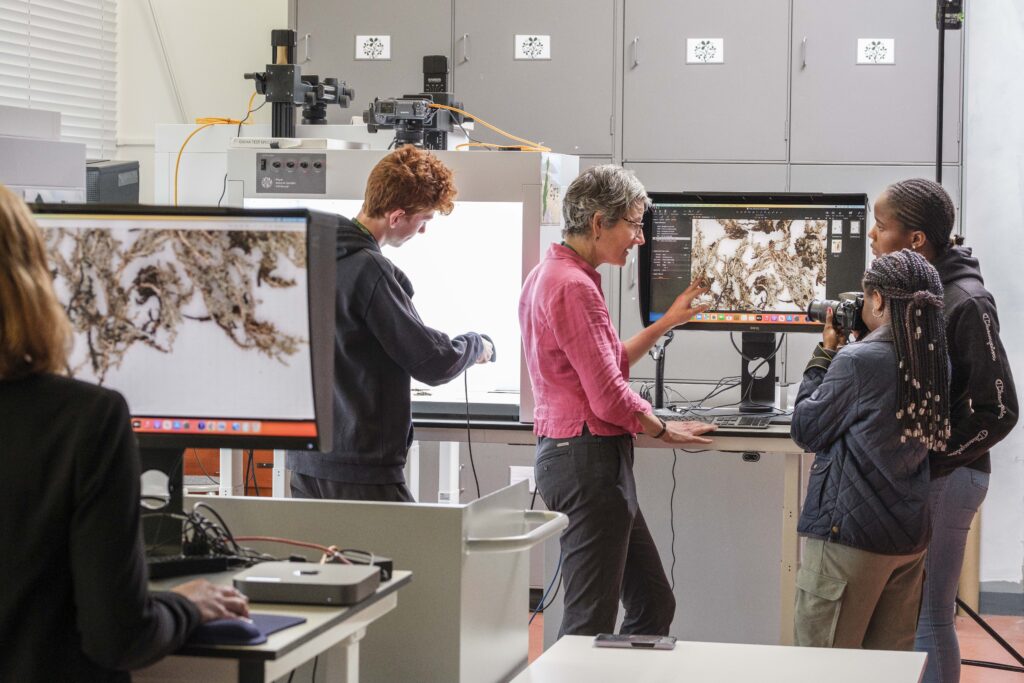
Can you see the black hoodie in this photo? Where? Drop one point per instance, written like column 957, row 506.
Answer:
column 380, row 343
column 983, row 400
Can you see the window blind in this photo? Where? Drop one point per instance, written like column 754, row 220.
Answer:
column 61, row 55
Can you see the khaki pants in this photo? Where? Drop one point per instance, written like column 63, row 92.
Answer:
column 852, row 598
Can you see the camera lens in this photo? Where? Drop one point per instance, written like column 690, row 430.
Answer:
column 817, row 310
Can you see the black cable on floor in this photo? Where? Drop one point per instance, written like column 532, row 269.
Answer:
column 672, row 519
column 469, row 437
column 541, row 606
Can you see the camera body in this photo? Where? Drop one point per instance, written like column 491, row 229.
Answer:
column 414, row 119
column 846, row 313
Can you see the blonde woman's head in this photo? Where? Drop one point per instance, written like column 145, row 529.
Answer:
column 34, row 331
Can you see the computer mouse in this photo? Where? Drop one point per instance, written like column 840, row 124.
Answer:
column 229, row 631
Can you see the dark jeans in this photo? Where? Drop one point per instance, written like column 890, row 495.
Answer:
column 607, row 551
column 953, row 501
column 304, row 486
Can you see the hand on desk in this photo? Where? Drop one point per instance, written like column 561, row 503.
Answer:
column 683, row 433
column 213, row 601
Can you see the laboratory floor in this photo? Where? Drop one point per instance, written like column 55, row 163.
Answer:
column 974, row 644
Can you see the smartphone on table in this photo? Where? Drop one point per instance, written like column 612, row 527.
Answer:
column 635, row 641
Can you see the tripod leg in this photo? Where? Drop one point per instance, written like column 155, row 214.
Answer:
column 996, row 637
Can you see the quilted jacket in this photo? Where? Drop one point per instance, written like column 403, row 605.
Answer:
column 866, row 488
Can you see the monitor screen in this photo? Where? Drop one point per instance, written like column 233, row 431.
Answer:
column 215, row 324
column 764, row 256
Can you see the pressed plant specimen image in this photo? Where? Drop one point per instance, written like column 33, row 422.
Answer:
column 169, row 313
column 760, row 264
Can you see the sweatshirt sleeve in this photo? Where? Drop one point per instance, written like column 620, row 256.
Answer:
column 428, row 355
column 579, row 322
column 123, row 625
column 826, row 404
column 981, row 361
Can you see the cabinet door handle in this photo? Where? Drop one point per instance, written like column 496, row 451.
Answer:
column 305, row 40
column 465, row 47
column 803, row 53
column 636, row 52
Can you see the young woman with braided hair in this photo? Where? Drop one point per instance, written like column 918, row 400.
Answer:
column 918, row 215
column 871, row 411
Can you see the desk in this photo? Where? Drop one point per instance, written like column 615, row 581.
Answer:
column 331, row 634
column 574, row 658
column 783, row 459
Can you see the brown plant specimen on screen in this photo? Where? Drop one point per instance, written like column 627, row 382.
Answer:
column 122, row 295
column 748, row 273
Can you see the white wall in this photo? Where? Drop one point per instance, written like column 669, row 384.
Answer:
column 209, row 45
column 993, row 211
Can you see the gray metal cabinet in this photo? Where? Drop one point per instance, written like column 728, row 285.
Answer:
column 704, row 355
column 869, row 179
column 564, row 98
column 843, row 111
column 729, row 111
column 413, row 30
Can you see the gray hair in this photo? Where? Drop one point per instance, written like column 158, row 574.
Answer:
column 609, row 190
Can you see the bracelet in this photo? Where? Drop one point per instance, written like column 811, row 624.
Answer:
column 664, row 426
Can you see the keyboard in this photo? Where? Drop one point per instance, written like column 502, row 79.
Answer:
column 725, row 421
column 169, row 566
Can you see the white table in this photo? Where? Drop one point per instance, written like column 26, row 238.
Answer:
column 574, row 658
column 330, row 634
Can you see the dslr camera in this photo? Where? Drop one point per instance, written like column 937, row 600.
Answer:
column 413, row 119
column 846, row 312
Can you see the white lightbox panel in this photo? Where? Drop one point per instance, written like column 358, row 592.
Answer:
column 466, row 272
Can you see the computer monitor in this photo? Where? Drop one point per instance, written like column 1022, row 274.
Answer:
column 217, row 325
column 765, row 256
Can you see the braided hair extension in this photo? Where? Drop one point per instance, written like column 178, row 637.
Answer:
column 912, row 291
column 924, row 205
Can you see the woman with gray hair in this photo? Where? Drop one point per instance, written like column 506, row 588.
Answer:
column 586, row 414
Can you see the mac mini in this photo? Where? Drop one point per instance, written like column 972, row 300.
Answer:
column 307, row 583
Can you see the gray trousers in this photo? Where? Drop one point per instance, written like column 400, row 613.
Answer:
column 305, row 486
column 608, row 553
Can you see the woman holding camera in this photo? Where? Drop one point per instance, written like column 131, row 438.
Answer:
column 918, row 215
column 75, row 605
column 866, row 512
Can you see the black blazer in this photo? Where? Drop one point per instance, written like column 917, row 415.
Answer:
column 75, row 605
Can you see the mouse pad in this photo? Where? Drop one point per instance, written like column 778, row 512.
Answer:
column 237, row 632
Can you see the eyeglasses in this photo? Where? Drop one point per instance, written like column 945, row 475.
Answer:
column 637, row 227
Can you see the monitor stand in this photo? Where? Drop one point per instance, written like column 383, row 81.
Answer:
column 162, row 524
column 757, row 390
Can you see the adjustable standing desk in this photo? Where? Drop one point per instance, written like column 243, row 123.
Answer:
column 774, row 441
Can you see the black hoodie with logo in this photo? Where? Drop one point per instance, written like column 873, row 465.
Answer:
column 983, row 400
column 380, row 344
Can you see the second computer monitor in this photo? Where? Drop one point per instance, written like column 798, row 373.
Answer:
column 217, row 325
column 764, row 256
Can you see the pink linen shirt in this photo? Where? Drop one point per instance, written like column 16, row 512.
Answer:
column 578, row 366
